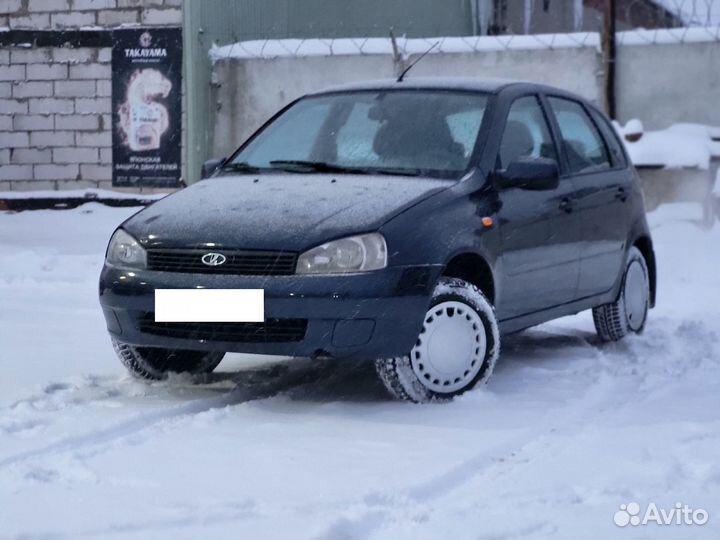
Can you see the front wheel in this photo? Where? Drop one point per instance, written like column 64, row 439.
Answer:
column 629, row 312
column 456, row 349
column 154, row 364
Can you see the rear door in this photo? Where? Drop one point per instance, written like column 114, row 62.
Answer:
column 603, row 184
column 540, row 241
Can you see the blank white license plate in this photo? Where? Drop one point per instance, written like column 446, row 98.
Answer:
column 209, row 305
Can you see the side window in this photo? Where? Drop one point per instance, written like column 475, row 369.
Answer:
column 611, row 137
column 526, row 133
column 582, row 142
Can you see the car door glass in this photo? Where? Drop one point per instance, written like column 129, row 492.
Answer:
column 611, row 138
column 585, row 148
column 526, row 133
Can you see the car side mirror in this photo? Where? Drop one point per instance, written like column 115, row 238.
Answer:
column 210, row 166
column 534, row 174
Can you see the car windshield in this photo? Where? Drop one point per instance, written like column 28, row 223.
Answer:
column 403, row 132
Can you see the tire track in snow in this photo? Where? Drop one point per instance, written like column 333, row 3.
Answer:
column 379, row 508
column 254, row 390
column 120, row 430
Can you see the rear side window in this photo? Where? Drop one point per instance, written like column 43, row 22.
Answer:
column 611, row 137
column 583, row 144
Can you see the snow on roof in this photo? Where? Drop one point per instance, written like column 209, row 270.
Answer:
column 484, row 84
column 679, row 146
column 692, row 12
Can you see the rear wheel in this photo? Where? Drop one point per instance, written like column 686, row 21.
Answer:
column 154, row 364
column 456, row 349
column 629, row 312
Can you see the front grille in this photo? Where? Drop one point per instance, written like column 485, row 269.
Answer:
column 249, row 263
column 270, row 331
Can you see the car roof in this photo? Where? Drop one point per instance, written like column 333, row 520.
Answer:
column 435, row 83
column 467, row 84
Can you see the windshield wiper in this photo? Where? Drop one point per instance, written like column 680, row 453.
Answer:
column 241, row 166
column 299, row 165
column 395, row 171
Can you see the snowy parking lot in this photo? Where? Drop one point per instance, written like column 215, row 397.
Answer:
column 567, row 430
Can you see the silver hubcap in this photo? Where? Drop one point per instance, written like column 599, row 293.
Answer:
column 636, row 295
column 451, row 347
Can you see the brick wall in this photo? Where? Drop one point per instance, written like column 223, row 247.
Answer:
column 55, row 108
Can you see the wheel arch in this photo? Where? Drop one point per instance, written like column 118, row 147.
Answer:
column 473, row 268
column 644, row 244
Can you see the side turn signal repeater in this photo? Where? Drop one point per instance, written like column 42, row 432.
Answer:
column 487, row 222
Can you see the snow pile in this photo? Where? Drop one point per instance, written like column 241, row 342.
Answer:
column 668, row 36
column 565, row 432
column 679, row 146
column 90, row 193
column 700, row 130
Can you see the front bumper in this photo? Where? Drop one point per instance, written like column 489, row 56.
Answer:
column 373, row 315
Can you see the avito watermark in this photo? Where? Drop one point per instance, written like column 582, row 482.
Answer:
column 680, row 514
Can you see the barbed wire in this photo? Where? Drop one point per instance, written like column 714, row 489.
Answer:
column 277, row 48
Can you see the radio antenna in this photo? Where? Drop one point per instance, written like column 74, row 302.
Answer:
column 402, row 75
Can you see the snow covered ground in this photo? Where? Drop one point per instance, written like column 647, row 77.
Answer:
column 566, row 431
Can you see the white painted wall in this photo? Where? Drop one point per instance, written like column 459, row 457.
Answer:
column 667, row 83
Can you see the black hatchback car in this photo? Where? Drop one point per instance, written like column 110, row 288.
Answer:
column 408, row 223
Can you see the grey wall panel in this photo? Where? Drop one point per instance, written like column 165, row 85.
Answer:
column 227, row 21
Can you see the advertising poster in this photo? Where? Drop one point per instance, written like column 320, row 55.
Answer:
column 147, row 109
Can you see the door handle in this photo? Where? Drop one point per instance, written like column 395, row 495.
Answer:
column 566, row 205
column 621, row 194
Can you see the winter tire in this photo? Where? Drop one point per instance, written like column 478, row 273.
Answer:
column 456, row 349
column 154, row 364
column 629, row 312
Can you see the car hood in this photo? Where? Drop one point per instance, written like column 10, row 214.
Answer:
column 289, row 212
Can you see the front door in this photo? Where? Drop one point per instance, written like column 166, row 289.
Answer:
column 539, row 266
column 603, row 181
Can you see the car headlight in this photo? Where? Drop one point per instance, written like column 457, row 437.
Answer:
column 124, row 251
column 360, row 253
